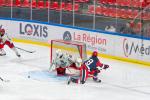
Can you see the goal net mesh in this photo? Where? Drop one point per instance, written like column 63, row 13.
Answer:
column 74, row 48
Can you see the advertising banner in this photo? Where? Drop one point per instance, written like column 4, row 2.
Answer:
column 114, row 45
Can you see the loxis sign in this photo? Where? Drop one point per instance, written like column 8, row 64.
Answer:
column 131, row 48
column 34, row 30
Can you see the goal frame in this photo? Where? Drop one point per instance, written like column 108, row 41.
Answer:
column 69, row 42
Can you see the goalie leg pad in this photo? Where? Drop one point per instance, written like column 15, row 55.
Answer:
column 61, row 71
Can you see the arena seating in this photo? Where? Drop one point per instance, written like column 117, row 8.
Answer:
column 118, row 8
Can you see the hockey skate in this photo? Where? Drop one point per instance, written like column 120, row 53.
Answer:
column 16, row 52
column 2, row 52
column 97, row 80
column 18, row 55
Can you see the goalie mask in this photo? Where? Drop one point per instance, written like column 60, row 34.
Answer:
column 78, row 62
column 2, row 32
column 59, row 53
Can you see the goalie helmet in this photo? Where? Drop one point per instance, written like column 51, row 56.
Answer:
column 2, row 32
column 95, row 54
column 78, row 62
column 59, row 53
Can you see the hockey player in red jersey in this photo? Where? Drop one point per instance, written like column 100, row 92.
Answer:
column 90, row 68
column 5, row 40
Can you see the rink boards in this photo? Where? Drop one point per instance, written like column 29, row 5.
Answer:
column 110, row 45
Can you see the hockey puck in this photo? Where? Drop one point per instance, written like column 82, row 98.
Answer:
column 28, row 76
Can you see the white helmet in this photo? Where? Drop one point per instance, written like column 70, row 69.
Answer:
column 78, row 62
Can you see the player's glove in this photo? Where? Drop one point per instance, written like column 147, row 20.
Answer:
column 105, row 66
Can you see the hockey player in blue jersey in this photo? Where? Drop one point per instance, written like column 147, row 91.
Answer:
column 90, row 68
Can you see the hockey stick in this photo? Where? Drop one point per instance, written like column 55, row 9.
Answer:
column 25, row 50
column 3, row 80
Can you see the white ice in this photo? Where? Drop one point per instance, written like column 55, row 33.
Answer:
column 122, row 81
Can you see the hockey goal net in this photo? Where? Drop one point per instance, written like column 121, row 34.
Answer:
column 74, row 48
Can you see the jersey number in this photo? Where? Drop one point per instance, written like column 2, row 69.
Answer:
column 89, row 62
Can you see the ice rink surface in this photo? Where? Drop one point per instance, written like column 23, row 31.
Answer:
column 122, row 81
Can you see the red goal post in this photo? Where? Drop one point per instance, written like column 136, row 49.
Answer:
column 74, row 48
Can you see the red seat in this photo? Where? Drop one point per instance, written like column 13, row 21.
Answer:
column 76, row 7
column 47, row 4
column 119, row 13
column 103, row 1
column 69, row 7
column 129, row 13
column 105, row 11
column 98, row 10
column 82, row 1
column 63, row 5
column 135, row 13
column 8, row 3
column 138, row 3
column 90, row 9
column 17, row 3
column 25, row 3
column 111, row 2
column 125, row 3
column 118, row 2
column 132, row 13
column 2, row 3
column 86, row 0
column 40, row 4
column 146, row 15
column 76, row 0
column 34, row 4
column 54, row 5
column 112, row 12
column 123, row 13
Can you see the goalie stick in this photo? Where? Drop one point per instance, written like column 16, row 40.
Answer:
column 25, row 50
column 3, row 80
